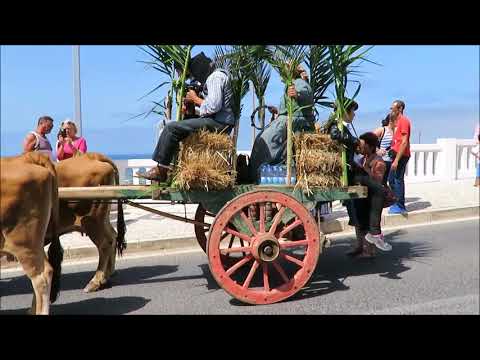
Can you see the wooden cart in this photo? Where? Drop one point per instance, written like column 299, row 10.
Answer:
column 262, row 242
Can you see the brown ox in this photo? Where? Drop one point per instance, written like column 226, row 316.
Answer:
column 28, row 209
column 90, row 216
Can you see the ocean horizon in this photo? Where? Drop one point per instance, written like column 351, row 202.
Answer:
column 129, row 156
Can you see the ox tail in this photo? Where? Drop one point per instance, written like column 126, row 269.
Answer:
column 121, row 227
column 55, row 251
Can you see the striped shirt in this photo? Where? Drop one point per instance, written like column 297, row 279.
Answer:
column 386, row 142
column 218, row 101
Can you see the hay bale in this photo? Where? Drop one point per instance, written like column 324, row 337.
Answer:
column 204, row 162
column 318, row 161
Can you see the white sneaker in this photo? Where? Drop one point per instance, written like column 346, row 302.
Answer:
column 378, row 241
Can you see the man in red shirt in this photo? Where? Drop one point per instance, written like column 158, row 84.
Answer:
column 401, row 148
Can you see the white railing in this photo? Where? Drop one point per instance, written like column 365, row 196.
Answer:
column 447, row 160
column 129, row 167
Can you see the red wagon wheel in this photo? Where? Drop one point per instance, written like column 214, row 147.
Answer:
column 268, row 267
column 203, row 216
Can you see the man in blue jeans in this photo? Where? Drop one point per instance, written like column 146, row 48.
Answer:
column 401, row 155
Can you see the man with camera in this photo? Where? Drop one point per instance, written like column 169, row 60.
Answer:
column 214, row 114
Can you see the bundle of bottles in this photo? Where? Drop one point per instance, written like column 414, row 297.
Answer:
column 276, row 175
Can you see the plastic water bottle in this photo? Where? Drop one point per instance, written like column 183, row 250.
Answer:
column 264, row 174
column 293, row 176
column 282, row 175
column 273, row 174
column 268, row 174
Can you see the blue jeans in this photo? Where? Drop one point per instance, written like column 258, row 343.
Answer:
column 397, row 182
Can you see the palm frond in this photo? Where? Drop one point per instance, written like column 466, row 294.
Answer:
column 321, row 77
column 285, row 59
column 343, row 61
column 236, row 60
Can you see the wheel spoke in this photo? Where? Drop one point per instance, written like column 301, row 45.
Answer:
column 293, row 260
column 250, row 274
column 289, row 244
column 249, row 223
column 242, row 244
column 238, row 265
column 237, row 234
column 266, row 285
column 276, row 220
column 231, row 241
column 280, row 271
column 229, row 244
column 235, row 249
column 290, row 227
column 262, row 217
column 224, row 236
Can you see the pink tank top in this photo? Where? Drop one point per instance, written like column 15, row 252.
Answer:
column 68, row 151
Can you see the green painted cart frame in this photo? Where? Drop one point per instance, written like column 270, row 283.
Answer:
column 263, row 243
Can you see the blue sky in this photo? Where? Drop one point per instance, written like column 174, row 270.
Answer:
column 440, row 85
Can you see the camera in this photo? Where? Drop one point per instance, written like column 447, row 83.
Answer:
column 195, row 86
column 63, row 132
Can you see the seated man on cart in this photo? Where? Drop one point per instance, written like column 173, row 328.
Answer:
column 270, row 146
column 215, row 112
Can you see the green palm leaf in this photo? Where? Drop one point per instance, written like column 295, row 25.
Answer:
column 343, row 61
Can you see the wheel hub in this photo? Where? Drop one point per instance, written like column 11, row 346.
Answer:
column 266, row 248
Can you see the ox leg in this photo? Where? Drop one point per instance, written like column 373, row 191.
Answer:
column 40, row 273
column 112, row 234
column 104, row 246
column 42, row 284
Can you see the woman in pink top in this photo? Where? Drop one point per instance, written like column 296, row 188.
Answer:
column 68, row 144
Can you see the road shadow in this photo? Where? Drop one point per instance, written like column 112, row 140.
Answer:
column 96, row 306
column 412, row 199
column 211, row 283
column 421, row 205
column 77, row 281
column 334, row 267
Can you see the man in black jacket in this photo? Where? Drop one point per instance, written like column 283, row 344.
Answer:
column 356, row 175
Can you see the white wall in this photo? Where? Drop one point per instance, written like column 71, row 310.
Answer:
column 447, row 160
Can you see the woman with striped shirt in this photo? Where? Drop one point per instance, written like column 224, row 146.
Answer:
column 385, row 136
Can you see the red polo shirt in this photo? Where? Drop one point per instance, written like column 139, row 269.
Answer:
column 403, row 127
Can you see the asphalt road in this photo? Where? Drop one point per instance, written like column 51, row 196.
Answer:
column 431, row 270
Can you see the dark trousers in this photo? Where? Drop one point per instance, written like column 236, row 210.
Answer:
column 388, row 166
column 369, row 210
column 176, row 131
column 396, row 180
